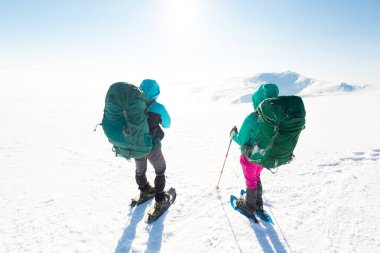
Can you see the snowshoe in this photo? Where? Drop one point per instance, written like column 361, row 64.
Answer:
column 160, row 207
column 143, row 197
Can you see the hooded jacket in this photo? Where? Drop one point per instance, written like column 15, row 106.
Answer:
column 249, row 129
column 157, row 114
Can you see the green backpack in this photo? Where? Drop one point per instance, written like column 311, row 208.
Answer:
column 281, row 120
column 125, row 120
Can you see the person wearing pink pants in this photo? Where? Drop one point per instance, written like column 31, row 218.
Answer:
column 254, row 199
column 251, row 172
column 247, row 136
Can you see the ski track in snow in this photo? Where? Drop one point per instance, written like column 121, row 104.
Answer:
column 62, row 190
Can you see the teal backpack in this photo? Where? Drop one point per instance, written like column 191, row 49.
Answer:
column 125, row 120
column 281, row 120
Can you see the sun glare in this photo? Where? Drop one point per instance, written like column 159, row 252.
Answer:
column 181, row 17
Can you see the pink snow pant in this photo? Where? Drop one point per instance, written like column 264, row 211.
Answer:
column 251, row 172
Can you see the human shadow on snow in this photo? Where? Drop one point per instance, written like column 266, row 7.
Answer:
column 155, row 231
column 267, row 237
column 129, row 234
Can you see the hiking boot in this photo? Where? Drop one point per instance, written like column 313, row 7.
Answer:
column 259, row 200
column 262, row 213
column 147, row 190
column 241, row 204
column 165, row 201
column 159, row 184
column 248, row 204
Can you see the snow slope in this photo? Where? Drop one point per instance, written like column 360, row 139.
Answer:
column 62, row 190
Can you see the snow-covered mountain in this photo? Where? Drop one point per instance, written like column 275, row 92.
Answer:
column 289, row 83
column 239, row 90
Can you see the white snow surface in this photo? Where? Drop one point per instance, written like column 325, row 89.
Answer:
column 62, row 189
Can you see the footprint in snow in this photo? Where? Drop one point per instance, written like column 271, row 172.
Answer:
column 356, row 157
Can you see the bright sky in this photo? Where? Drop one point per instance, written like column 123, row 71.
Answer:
column 328, row 40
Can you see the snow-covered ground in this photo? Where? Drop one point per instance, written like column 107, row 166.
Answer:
column 62, row 190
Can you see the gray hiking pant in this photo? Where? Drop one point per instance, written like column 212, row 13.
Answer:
column 156, row 158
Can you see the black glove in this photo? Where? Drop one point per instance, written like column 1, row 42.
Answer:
column 233, row 130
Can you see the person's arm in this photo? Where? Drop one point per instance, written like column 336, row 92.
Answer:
column 166, row 120
column 160, row 109
column 244, row 134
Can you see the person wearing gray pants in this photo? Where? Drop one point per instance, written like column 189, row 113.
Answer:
column 157, row 116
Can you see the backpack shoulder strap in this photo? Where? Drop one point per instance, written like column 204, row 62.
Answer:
column 149, row 104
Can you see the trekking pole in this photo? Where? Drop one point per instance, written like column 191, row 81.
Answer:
column 225, row 159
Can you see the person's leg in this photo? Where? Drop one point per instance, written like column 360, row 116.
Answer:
column 251, row 173
column 141, row 180
column 157, row 160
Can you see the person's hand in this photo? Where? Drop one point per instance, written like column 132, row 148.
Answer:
column 233, row 130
